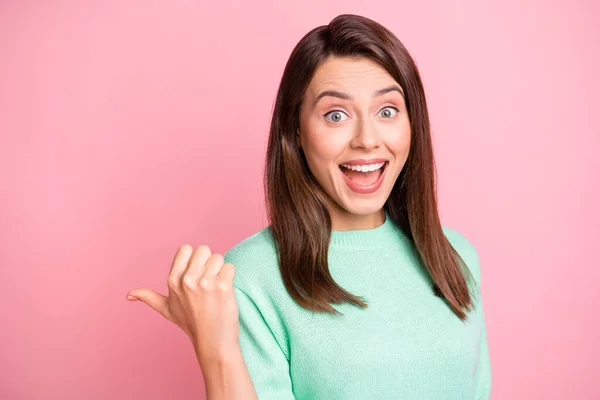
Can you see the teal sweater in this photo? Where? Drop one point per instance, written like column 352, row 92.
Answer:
column 407, row 344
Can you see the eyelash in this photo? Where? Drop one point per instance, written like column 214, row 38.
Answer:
column 340, row 111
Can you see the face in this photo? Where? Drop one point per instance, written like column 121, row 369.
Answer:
column 355, row 134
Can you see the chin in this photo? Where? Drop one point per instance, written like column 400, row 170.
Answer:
column 363, row 206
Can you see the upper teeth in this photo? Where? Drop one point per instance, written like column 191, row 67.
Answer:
column 364, row 168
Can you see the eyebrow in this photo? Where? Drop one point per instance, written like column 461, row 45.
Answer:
column 346, row 96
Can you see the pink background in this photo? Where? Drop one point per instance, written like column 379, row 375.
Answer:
column 131, row 127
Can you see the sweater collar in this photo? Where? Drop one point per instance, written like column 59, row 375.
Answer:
column 383, row 235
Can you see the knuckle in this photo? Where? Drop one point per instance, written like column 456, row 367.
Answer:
column 172, row 283
column 205, row 284
column 189, row 282
column 223, row 286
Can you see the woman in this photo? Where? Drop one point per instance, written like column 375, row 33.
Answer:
column 355, row 290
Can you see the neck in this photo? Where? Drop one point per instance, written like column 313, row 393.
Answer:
column 383, row 235
column 342, row 220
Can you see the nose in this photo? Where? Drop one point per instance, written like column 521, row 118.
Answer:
column 366, row 136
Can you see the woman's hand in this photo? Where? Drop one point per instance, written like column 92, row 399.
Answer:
column 201, row 302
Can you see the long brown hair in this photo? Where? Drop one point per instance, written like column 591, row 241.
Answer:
column 299, row 218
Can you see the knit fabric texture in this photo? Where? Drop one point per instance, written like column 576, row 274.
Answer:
column 407, row 344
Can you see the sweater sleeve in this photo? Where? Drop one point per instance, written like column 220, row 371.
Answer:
column 483, row 371
column 482, row 376
column 266, row 362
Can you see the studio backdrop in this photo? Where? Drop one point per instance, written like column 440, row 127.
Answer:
column 128, row 128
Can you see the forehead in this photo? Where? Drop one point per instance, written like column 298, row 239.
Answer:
column 352, row 75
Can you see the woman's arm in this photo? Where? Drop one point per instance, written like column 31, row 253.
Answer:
column 202, row 303
column 227, row 378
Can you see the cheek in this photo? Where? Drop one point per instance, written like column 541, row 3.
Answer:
column 321, row 148
column 399, row 140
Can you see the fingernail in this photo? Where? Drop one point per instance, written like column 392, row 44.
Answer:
column 130, row 297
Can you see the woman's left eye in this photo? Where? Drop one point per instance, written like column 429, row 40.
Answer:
column 388, row 112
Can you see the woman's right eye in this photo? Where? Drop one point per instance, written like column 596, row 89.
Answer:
column 336, row 116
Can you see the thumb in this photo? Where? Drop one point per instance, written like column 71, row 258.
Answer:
column 155, row 300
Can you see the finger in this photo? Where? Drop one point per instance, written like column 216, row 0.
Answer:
column 178, row 266
column 196, row 265
column 213, row 266
column 227, row 272
column 155, row 300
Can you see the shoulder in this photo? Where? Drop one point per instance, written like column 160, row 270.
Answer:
column 465, row 249
column 254, row 258
column 258, row 247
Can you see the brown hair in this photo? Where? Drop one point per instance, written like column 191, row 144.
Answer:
column 299, row 218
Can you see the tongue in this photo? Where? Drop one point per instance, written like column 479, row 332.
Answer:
column 362, row 178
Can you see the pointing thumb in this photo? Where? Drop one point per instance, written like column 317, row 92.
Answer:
column 155, row 300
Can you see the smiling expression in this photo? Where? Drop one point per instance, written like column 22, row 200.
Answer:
column 355, row 134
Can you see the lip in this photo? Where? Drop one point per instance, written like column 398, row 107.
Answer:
column 362, row 161
column 368, row 189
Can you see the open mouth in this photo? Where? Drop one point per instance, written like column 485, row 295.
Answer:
column 364, row 175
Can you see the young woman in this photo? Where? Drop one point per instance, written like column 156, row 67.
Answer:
column 354, row 290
